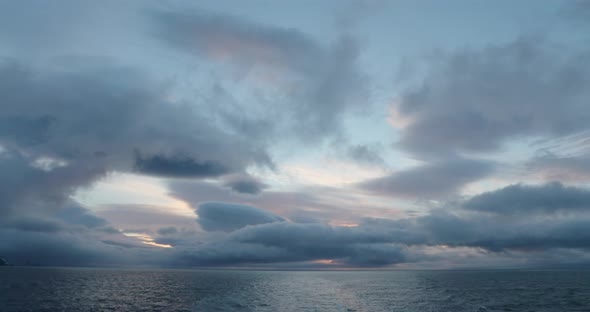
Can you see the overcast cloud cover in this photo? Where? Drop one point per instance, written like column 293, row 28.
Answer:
column 288, row 134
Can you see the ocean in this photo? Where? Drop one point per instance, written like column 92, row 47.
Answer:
column 91, row 289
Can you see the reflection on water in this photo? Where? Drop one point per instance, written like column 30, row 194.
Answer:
column 74, row 289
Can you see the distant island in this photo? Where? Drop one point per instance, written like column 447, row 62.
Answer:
column 3, row 262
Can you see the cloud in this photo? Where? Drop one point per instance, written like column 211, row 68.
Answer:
column 521, row 218
column 71, row 237
column 432, row 180
column 82, row 216
column 486, row 222
column 66, row 248
column 498, row 234
column 288, row 242
column 68, row 119
column 255, row 236
column 577, row 11
column 31, row 224
column 167, row 230
column 72, row 107
column 39, row 26
column 317, row 82
column 25, row 188
column 245, row 236
column 365, row 154
column 313, row 204
column 568, row 168
column 64, row 129
column 178, row 166
column 243, row 184
column 215, row 216
column 522, row 199
column 216, row 35
column 351, row 13
column 92, row 122
column 476, row 100
column 65, row 125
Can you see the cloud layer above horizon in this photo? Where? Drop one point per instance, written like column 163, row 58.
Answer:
column 291, row 135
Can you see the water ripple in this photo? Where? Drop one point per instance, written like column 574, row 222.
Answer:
column 68, row 289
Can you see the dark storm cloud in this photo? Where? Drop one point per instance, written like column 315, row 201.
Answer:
column 229, row 217
column 178, row 166
column 522, row 199
column 475, row 100
column 432, row 180
column 322, row 80
column 244, row 184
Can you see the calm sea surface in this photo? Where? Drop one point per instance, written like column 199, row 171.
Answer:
column 73, row 289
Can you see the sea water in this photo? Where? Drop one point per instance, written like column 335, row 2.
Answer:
column 83, row 289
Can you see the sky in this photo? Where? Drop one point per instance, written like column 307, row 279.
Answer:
column 336, row 134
